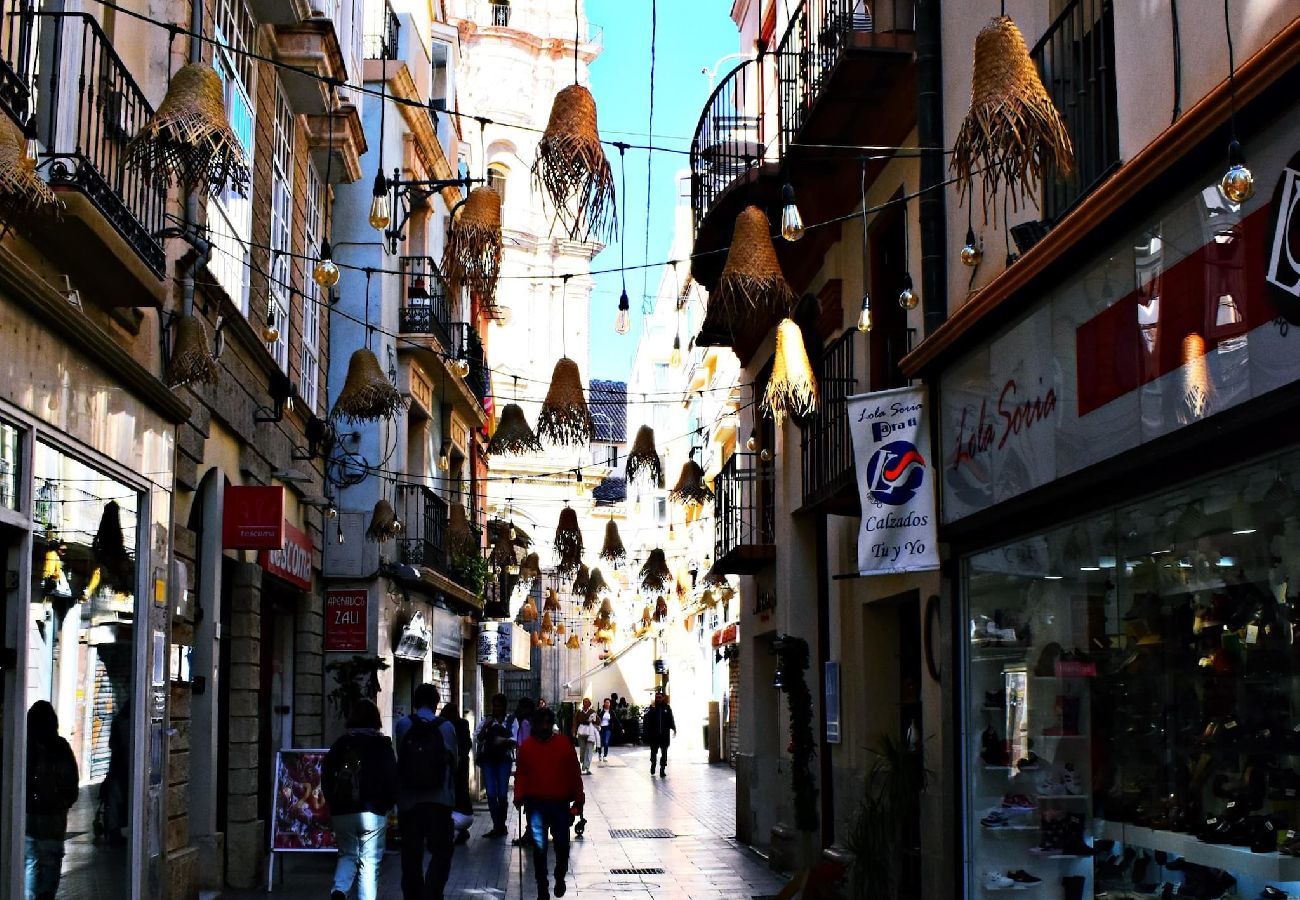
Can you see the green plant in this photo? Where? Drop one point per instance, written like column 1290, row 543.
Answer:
column 889, row 818
column 469, row 570
column 792, row 653
column 354, row 678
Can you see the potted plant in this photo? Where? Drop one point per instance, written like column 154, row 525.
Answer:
column 888, row 820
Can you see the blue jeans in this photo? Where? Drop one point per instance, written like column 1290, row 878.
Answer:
column 604, row 741
column 552, row 815
column 43, row 863
column 496, row 781
column 360, row 839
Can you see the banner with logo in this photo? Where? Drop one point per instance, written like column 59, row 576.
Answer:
column 891, row 441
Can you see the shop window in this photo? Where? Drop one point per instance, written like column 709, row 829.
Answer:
column 1132, row 708
column 309, row 370
column 10, row 465
column 230, row 215
column 280, row 288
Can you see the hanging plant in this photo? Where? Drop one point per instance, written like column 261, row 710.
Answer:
column 643, row 461
column 565, row 420
column 354, row 678
column 655, row 574
column 690, row 488
column 612, row 551
column 568, row 542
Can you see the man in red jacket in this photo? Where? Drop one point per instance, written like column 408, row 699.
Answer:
column 547, row 785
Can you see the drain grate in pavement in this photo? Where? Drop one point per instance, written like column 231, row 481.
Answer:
column 641, row 833
column 650, row 871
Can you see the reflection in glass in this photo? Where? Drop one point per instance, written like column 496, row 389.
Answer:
column 9, row 465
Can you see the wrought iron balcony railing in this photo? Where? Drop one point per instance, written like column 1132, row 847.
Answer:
column 381, row 32
column 728, row 139
column 1076, row 58
column 465, row 344
column 426, row 307
column 16, row 44
column 827, row 445
column 744, row 505
column 500, row 13
column 424, row 516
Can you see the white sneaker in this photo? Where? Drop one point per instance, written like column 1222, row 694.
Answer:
column 996, row 881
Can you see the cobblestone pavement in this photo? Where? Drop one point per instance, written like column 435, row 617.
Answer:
column 702, row 861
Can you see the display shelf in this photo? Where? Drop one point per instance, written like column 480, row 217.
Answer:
column 1041, row 797
column 1238, row 860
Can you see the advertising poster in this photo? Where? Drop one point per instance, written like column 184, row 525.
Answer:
column 891, row 440
column 300, row 819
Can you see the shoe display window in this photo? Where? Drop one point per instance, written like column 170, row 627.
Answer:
column 1132, row 701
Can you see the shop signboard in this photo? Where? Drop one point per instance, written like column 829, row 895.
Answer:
column 503, row 645
column 891, row 440
column 300, row 819
column 252, row 517
column 727, row 635
column 413, row 642
column 292, row 562
column 345, row 620
column 445, row 633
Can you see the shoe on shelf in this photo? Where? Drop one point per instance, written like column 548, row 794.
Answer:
column 996, row 881
column 1272, row 893
column 996, row 819
column 1020, row 876
column 1029, row 762
column 1018, row 801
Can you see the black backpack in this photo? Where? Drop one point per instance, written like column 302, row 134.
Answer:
column 51, row 782
column 422, row 758
column 347, row 775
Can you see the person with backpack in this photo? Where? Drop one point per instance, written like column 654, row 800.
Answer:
column 427, row 751
column 494, row 753
column 462, row 814
column 53, row 782
column 548, row 786
column 359, row 780
column 658, row 722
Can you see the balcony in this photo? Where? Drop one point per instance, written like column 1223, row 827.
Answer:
column 16, row 46
column 466, row 344
column 310, row 53
column 744, row 518
column 499, row 13
column 426, row 308
column 1076, row 58
column 424, row 515
column 381, row 32
column 829, row 484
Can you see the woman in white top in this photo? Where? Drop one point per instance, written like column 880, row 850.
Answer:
column 585, row 731
column 606, row 727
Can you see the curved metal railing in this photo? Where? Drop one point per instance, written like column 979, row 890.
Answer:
column 729, row 136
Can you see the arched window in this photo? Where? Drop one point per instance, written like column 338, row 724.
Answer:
column 496, row 179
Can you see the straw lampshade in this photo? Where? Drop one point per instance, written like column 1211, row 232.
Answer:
column 547, row 627
column 607, row 610
column 552, row 601
column 190, row 362
column 1012, row 129
column 1197, row 387
column 565, row 419
column 189, row 139
column 644, row 458
column 792, row 388
column 661, row 609
column 690, row 488
column 573, row 643
column 568, row 541
column 751, row 277
column 655, row 574
column 530, row 568
column 473, row 253
column 528, row 612
column 571, row 167
column 559, row 628
column 383, row 522
column 581, row 579
column 612, row 551
column 595, row 587
column 22, row 191
column 460, row 537
column 536, row 639
column 646, row 619
column 367, row 393
column 513, row 435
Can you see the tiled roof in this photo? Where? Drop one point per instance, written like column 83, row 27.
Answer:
column 610, row 490
column 609, row 411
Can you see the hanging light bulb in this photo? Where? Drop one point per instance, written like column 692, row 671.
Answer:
column 791, row 222
column 331, row 512
column 623, row 321
column 380, row 214
column 460, row 367
column 444, row 456
column 636, row 507
column 326, row 274
column 219, row 337
column 514, row 533
column 675, row 358
column 908, row 298
column 288, row 403
column 1237, row 184
column 752, row 443
column 397, row 526
column 864, row 317
column 340, row 537
column 512, row 568
column 31, row 147
column 765, row 455
column 270, row 333
column 971, row 254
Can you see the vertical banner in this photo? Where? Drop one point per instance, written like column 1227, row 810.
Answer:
column 891, row 440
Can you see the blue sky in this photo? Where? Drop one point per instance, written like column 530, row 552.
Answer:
column 691, row 35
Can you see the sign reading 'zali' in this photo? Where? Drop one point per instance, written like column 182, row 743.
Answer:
column 345, row 620
column 891, row 437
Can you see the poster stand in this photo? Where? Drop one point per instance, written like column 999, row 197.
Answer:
column 300, row 821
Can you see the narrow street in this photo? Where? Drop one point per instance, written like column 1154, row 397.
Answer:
column 700, row 861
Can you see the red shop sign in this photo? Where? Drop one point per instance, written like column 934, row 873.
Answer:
column 253, row 518
column 345, row 619
column 292, row 562
column 728, row 635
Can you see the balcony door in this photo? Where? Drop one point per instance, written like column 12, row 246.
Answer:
column 888, row 340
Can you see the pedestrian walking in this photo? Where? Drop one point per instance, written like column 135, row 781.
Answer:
column 521, row 724
column 656, row 727
column 427, row 751
column 494, row 755
column 462, row 812
column 548, row 786
column 52, row 787
column 359, row 779
column 587, row 733
column 606, row 728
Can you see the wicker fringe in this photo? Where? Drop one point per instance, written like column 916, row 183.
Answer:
column 595, row 587
column 613, row 550
column 22, row 191
column 690, row 488
column 565, row 419
column 191, row 362
column 751, row 277
column 367, row 393
column 568, row 542
column 460, row 537
column 528, row 612
column 531, row 568
column 1013, row 129
column 644, row 459
column 792, row 387
column 572, row 169
column 655, row 574
column 383, row 522
column 513, row 435
column 473, row 253
column 581, row 579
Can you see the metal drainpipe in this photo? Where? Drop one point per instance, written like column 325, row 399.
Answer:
column 931, row 205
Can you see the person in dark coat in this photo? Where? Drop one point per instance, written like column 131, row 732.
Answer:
column 463, row 810
column 52, row 787
column 657, row 724
column 359, row 779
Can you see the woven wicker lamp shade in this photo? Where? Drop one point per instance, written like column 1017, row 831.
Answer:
column 572, row 169
column 581, row 579
column 655, row 574
column 191, row 362
column 547, row 627
column 531, row 568
column 460, row 537
column 643, row 461
column 536, row 639
column 473, row 253
column 613, row 551
column 607, row 610
column 565, row 420
column 596, row 584
column 568, row 541
column 551, row 602
column 503, row 554
column 189, row 140
column 22, row 191
column 383, row 522
column 690, row 488
column 751, row 277
column 528, row 612
column 367, row 393
column 513, row 435
column 1012, row 128
column 573, row 643
column 792, row 387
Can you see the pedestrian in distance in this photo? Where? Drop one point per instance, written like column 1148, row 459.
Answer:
column 427, row 750
column 52, row 787
column 494, row 754
column 658, row 722
column 359, row 780
column 462, row 812
column 548, row 787
column 606, row 726
column 586, row 732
